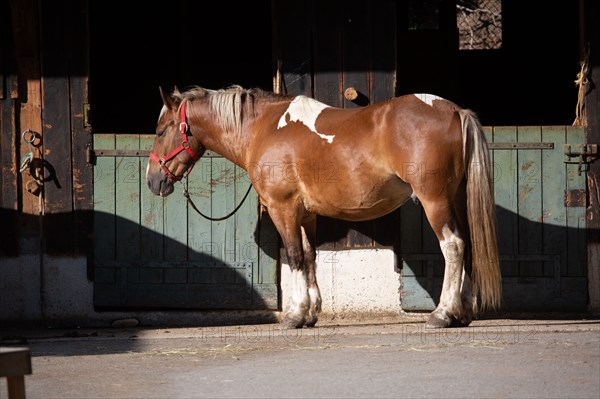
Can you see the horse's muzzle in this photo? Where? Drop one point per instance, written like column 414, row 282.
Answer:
column 158, row 186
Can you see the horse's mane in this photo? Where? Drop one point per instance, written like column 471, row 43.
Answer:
column 231, row 105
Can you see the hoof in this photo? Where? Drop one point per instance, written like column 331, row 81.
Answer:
column 462, row 322
column 311, row 321
column 436, row 320
column 442, row 320
column 289, row 323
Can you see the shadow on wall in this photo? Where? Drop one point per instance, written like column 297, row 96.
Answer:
column 136, row 269
column 543, row 266
column 130, row 268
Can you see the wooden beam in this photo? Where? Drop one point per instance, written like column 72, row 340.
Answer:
column 29, row 115
column 590, row 14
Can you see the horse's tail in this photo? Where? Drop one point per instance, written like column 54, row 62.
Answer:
column 481, row 213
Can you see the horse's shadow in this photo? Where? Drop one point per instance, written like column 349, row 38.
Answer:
column 546, row 275
column 133, row 270
column 543, row 266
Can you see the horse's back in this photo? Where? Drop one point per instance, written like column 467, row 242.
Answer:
column 357, row 164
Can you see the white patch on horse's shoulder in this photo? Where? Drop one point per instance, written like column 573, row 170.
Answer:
column 305, row 110
column 427, row 98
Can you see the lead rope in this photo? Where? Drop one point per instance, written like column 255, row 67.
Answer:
column 186, row 194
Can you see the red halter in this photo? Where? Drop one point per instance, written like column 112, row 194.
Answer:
column 185, row 145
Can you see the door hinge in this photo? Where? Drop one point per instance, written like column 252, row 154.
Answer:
column 581, row 154
column 87, row 115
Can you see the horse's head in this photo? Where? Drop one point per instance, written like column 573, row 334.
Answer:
column 175, row 150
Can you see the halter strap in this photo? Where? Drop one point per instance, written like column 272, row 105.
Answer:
column 184, row 146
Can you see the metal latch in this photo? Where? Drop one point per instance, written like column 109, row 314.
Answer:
column 581, row 154
column 91, row 154
column 87, row 119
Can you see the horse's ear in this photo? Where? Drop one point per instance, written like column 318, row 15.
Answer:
column 168, row 100
column 176, row 92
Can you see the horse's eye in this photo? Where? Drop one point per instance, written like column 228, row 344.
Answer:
column 160, row 133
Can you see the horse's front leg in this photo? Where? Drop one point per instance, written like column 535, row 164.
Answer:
column 288, row 224
column 309, row 234
column 297, row 314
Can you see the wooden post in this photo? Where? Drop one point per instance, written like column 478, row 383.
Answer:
column 26, row 36
column 590, row 14
column 15, row 363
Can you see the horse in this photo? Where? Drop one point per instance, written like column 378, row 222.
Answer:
column 412, row 146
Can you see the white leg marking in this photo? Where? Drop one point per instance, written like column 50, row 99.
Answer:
column 305, row 110
column 300, row 297
column 315, row 299
column 453, row 250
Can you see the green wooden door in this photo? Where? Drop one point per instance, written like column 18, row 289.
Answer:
column 152, row 252
column 540, row 204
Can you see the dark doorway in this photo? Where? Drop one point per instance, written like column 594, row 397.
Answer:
column 136, row 48
column 527, row 80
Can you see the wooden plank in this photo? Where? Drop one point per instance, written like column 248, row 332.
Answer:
column 9, row 194
column 8, row 151
column 383, row 48
column 9, row 135
column 356, row 57
column 8, row 121
column 56, row 120
column 127, row 200
column 104, row 202
column 15, row 361
column 415, row 296
column 590, row 14
column 356, row 62
column 8, row 179
column 382, row 86
column 246, row 223
column 576, row 222
column 176, row 227
column 538, row 294
column 328, row 88
column 83, row 172
column 152, row 212
column 25, row 21
column 291, row 46
column 411, row 238
column 222, row 203
column 521, row 146
column 554, row 214
column 199, row 186
column 530, row 201
column 268, row 251
column 506, row 194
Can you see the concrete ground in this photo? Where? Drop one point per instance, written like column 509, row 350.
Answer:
column 381, row 358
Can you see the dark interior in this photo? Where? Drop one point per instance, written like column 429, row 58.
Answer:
column 135, row 49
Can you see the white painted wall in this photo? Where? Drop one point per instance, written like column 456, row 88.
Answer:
column 353, row 282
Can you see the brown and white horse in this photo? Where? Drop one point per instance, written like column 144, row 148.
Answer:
column 384, row 154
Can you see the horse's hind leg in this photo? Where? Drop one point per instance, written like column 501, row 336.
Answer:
column 452, row 238
column 468, row 297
